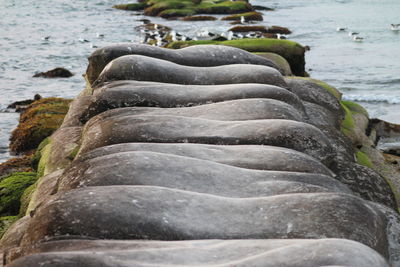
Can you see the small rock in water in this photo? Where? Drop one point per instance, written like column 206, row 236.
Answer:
column 20, row 106
column 55, row 73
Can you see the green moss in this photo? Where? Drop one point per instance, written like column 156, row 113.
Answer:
column 25, row 199
column 247, row 15
column 131, row 7
column 225, row 7
column 38, row 153
column 157, row 8
column 291, row 51
column 11, row 190
column 39, row 121
column 5, row 223
column 363, row 159
column 278, row 60
column 176, row 13
column 45, row 155
column 348, row 122
column 332, row 90
column 73, row 153
column 280, row 47
column 356, row 108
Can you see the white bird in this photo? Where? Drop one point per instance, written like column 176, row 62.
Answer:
column 99, row 35
column 173, row 36
column 351, row 34
column 357, row 38
column 280, row 36
column 46, row 38
column 341, row 29
column 83, row 40
column 395, row 27
column 230, row 35
column 242, row 20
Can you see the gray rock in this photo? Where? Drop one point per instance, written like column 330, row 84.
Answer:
column 199, row 56
column 143, row 68
column 173, row 129
column 132, row 93
column 311, row 92
column 203, row 176
column 146, row 212
column 366, row 183
column 234, row 110
column 254, row 252
column 244, row 156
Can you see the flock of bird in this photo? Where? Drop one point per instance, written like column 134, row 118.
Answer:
column 357, row 38
column 159, row 35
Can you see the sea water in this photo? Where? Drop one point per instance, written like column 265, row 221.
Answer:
column 366, row 72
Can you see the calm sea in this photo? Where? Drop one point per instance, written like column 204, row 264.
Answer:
column 367, row 72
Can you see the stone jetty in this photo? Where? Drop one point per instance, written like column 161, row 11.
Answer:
column 204, row 156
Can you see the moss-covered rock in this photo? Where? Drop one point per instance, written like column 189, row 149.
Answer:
column 329, row 88
column 355, row 122
column 44, row 158
column 291, row 51
column 278, row 60
column 5, row 223
column 11, row 190
column 363, row 159
column 38, row 154
column 248, row 16
column 225, row 7
column 131, row 7
column 39, row 121
column 171, row 13
column 173, row 8
column 253, row 28
column 198, row 18
column 20, row 164
column 25, row 199
column 257, row 28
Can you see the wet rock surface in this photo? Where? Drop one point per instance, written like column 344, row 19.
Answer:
column 235, row 159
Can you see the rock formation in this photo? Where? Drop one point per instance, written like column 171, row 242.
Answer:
column 232, row 165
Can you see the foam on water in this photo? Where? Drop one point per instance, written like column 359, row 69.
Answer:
column 371, row 69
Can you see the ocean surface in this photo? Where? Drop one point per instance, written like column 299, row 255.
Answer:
column 366, row 72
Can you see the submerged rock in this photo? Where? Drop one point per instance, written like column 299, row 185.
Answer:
column 55, row 73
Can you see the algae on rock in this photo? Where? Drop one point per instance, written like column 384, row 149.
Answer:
column 11, row 190
column 291, row 51
column 39, row 121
